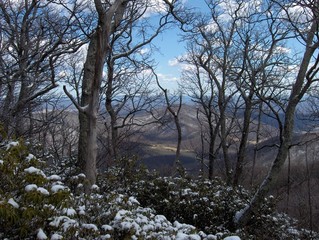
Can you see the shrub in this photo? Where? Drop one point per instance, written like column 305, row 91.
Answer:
column 211, row 205
column 139, row 205
column 28, row 198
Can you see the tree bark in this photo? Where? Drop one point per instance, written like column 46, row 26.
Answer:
column 91, row 84
column 243, row 143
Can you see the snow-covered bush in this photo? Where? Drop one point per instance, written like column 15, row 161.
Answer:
column 34, row 205
column 211, row 205
column 139, row 205
column 28, row 198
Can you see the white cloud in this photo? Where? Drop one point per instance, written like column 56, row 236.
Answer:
column 167, row 77
column 144, row 51
column 298, row 13
column 158, row 6
column 173, row 62
column 282, row 50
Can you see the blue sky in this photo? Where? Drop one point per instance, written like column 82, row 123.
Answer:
column 171, row 47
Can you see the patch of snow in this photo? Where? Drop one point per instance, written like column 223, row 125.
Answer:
column 43, row 191
column 81, row 175
column 293, row 231
column 12, row 144
column 95, row 187
column 30, row 157
column 56, row 236
column 239, row 213
column 69, row 223
column 81, row 210
column 183, row 226
column 90, row 226
column 66, row 222
column 232, row 238
column 107, row 236
column 1, row 162
column 41, row 235
column 57, row 187
column 133, row 201
column 34, row 170
column 107, row 227
column 13, row 203
column 211, row 237
column 57, row 220
column 30, row 187
column 54, row 178
column 120, row 214
column 181, row 236
column 69, row 211
column 160, row 218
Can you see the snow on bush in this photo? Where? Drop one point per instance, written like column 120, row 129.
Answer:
column 34, row 206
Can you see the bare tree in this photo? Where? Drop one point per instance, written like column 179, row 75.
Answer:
column 127, row 81
column 216, row 54
column 35, row 38
column 306, row 30
column 109, row 18
column 202, row 92
column 112, row 45
column 175, row 112
column 263, row 63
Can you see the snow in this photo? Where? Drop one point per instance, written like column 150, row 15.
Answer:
column 81, row 175
column 57, row 220
column 54, row 178
column 120, row 214
column 95, row 187
column 30, row 187
column 1, row 162
column 239, row 213
column 133, row 201
column 57, row 187
column 30, row 157
column 41, row 235
column 13, row 203
column 183, row 236
column 107, row 236
column 43, row 191
column 34, row 170
column 70, row 223
column 107, row 227
column 66, row 222
column 11, row 144
column 69, row 211
column 90, row 226
column 81, row 210
column 232, row 238
column 56, row 236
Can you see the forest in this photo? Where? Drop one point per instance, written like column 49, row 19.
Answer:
column 97, row 143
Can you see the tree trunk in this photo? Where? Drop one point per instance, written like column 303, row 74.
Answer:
column 178, row 165
column 256, row 143
column 87, row 119
column 243, row 143
column 301, row 85
column 91, row 83
column 211, row 159
column 111, row 112
column 223, row 136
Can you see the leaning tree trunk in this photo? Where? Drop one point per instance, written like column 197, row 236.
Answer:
column 303, row 82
